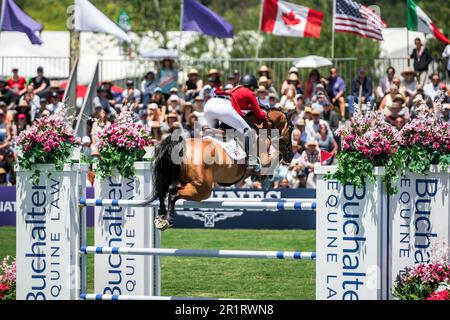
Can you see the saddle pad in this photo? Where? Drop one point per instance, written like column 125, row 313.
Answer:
column 232, row 147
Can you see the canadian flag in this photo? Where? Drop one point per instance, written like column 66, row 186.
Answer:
column 288, row 19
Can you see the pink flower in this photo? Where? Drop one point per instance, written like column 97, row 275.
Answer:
column 441, row 295
column 3, row 287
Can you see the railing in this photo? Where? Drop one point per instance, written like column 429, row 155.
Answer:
column 121, row 69
column 54, row 67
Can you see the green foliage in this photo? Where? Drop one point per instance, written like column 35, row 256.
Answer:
column 414, row 290
column 353, row 168
column 418, row 159
column 116, row 158
column 37, row 155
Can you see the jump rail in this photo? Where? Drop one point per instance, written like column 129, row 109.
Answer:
column 223, row 203
column 291, row 255
column 88, row 296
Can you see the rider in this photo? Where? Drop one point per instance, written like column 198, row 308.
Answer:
column 227, row 106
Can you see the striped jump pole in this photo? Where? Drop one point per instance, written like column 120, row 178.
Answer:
column 88, row 296
column 213, row 203
column 289, row 255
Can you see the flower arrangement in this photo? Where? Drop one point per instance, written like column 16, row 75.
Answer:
column 426, row 281
column 425, row 141
column 368, row 142
column 8, row 279
column 50, row 140
column 120, row 145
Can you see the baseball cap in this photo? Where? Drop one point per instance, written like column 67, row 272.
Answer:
column 40, row 69
column 85, row 140
column 174, row 98
column 130, row 83
column 174, row 90
column 55, row 95
column 21, row 116
column 157, row 89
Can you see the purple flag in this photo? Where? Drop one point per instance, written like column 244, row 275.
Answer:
column 197, row 17
column 14, row 19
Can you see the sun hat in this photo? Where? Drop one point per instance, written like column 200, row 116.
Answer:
column 262, row 89
column 213, row 71
column 311, row 142
column 193, row 71
column 300, row 122
column 174, row 98
column 408, row 70
column 263, row 79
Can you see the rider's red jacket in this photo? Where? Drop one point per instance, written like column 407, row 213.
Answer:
column 242, row 98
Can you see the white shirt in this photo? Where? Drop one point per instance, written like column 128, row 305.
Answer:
column 54, row 107
column 431, row 91
column 136, row 94
column 312, row 129
column 446, row 54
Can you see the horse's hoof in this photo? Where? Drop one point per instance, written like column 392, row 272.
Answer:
column 161, row 224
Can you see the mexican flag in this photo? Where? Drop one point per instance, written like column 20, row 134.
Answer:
column 417, row 20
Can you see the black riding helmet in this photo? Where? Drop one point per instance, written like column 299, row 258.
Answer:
column 249, row 81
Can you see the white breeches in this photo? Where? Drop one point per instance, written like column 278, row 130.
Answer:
column 217, row 109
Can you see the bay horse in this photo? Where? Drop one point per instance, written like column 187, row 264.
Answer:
column 203, row 163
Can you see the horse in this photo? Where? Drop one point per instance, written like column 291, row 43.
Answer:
column 202, row 163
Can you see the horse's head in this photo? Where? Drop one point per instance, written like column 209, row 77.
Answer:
column 278, row 120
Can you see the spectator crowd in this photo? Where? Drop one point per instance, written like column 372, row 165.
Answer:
column 315, row 106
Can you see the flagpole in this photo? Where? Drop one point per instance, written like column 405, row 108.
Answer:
column 332, row 31
column 407, row 46
column 259, row 30
column 2, row 17
column 181, row 27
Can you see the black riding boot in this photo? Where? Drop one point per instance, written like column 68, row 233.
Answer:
column 251, row 159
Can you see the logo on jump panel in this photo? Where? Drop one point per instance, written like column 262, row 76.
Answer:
column 209, row 218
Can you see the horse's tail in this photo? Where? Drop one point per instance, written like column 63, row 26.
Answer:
column 166, row 170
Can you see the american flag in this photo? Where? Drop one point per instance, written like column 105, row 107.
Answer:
column 350, row 16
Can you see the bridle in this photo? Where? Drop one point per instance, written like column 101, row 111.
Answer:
column 284, row 146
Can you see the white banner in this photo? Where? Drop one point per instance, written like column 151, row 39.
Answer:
column 124, row 227
column 420, row 215
column 47, row 220
column 350, row 239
